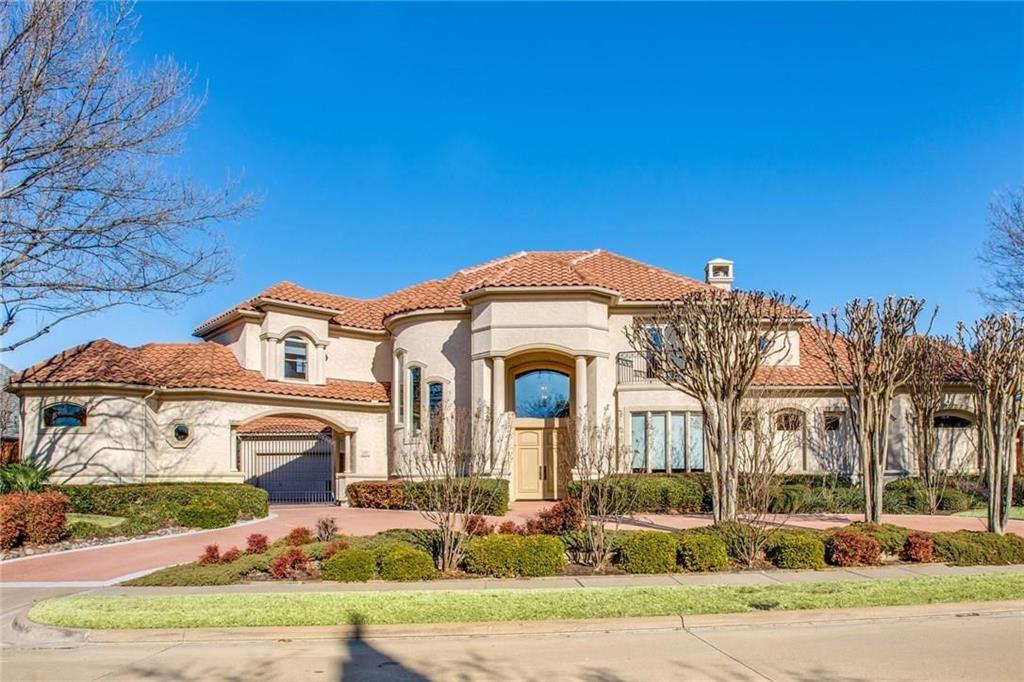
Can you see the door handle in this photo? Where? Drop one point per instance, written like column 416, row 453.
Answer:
column 543, row 472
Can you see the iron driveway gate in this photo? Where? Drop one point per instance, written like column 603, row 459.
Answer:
column 290, row 468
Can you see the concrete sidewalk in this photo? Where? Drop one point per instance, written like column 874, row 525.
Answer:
column 109, row 564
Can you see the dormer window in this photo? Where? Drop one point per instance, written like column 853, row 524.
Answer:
column 296, row 354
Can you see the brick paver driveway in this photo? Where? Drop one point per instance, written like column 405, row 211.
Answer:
column 109, row 563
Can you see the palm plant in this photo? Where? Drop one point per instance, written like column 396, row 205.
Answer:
column 27, row 476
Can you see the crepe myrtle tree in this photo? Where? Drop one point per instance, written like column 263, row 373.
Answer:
column 711, row 345
column 89, row 216
column 933, row 364
column 595, row 454
column 866, row 347
column 449, row 469
column 993, row 362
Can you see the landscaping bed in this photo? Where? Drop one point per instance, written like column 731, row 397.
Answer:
column 58, row 517
column 411, row 607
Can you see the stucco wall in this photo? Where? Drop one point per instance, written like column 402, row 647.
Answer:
column 358, row 358
column 441, row 345
column 130, row 439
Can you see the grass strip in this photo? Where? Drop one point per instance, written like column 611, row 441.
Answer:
column 1016, row 513
column 474, row 606
column 96, row 519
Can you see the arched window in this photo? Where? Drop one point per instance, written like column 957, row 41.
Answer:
column 789, row 421
column 296, row 354
column 542, row 394
column 952, row 421
column 64, row 414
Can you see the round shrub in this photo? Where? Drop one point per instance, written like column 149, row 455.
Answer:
column 293, row 564
column 648, row 551
column 702, row 552
column 402, row 562
column 954, row 501
column 796, row 550
column 905, row 496
column 298, row 536
column 208, row 513
column 509, row 556
column 349, row 566
column 851, row 548
column 734, row 534
column 256, row 543
column 918, row 547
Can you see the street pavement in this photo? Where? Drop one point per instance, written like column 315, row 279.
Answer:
column 969, row 643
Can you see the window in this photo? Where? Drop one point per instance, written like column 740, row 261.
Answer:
column 64, row 415
column 833, row 421
column 952, row 421
column 181, row 432
column 295, row 356
column 789, row 421
column 667, row 441
column 435, row 400
column 415, row 400
column 542, row 394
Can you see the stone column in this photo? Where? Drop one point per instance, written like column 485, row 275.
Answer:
column 581, row 388
column 350, row 458
column 498, row 385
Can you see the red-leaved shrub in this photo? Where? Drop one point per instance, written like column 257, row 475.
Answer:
column 377, row 494
column 564, row 515
column 12, row 520
column 850, row 548
column 478, row 525
column 919, row 547
column 36, row 518
column 230, row 555
column 509, row 528
column 210, row 555
column 256, row 544
column 292, row 564
column 332, row 549
column 300, row 536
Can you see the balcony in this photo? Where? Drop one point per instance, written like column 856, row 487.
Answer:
column 632, row 367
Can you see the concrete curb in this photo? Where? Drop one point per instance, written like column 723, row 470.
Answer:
column 32, row 632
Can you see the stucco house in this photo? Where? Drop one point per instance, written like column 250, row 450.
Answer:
column 303, row 392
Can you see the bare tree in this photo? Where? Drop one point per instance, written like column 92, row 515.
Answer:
column 451, row 472
column 866, row 348
column 89, row 219
column 772, row 433
column 1004, row 251
column 931, row 361
column 595, row 455
column 711, row 345
column 994, row 366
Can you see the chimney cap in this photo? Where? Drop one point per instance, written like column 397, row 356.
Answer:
column 718, row 272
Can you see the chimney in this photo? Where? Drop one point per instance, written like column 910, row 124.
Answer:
column 718, row 273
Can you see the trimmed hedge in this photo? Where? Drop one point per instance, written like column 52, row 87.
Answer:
column 972, row 548
column 891, row 539
column 510, row 556
column 702, row 552
column 402, row 562
column 795, row 549
column 194, row 505
column 349, row 566
column 655, row 493
column 491, row 497
column 33, row 518
column 648, row 551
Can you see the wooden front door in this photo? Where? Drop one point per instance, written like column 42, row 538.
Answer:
column 535, row 471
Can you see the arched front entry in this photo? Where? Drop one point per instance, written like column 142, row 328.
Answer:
column 540, row 387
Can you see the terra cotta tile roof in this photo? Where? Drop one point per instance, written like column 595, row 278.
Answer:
column 634, row 281
column 291, row 425
column 204, row 365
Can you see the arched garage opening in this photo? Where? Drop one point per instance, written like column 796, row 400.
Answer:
column 295, row 458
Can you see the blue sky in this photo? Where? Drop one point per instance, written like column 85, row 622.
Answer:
column 832, row 151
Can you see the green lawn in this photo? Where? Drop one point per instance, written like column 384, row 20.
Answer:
column 96, row 519
column 1015, row 513
column 332, row 608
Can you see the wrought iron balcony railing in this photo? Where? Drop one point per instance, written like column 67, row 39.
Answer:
column 633, row 367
